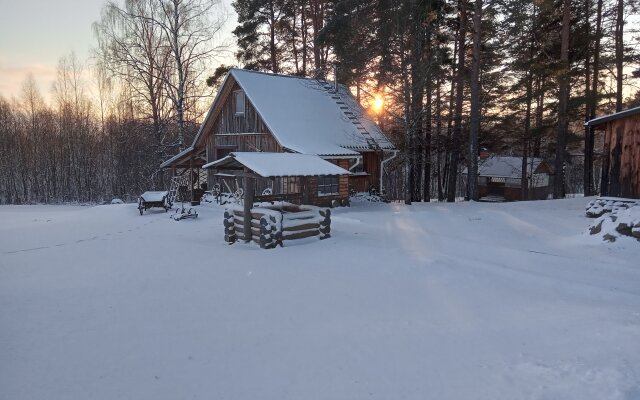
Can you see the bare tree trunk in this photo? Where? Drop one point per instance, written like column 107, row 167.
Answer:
column 587, row 168
column 272, row 39
column 524, row 177
column 474, row 132
column 177, row 53
column 304, row 33
column 619, row 39
column 539, row 115
column 450, row 117
column 563, row 123
column 439, row 149
column 317, row 21
column 457, row 123
column 426, row 190
column 593, row 100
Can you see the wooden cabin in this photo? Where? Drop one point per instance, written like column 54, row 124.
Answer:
column 500, row 177
column 263, row 112
column 621, row 153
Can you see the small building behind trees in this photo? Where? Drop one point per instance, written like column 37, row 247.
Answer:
column 621, row 153
column 500, row 177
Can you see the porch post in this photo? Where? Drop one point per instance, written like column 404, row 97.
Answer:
column 248, row 186
column 191, row 177
column 304, row 186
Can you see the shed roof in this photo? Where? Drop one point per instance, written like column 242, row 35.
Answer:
column 277, row 164
column 506, row 166
column 185, row 158
column 613, row 117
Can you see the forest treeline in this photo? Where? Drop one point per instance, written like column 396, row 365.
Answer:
column 516, row 77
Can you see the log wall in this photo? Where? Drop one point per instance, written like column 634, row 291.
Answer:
column 621, row 166
column 272, row 226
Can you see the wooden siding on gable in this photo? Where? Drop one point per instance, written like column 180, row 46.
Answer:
column 259, row 142
column 229, row 122
column 237, row 132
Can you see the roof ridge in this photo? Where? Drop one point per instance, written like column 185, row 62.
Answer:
column 273, row 74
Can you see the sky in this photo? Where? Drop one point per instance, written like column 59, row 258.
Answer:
column 34, row 34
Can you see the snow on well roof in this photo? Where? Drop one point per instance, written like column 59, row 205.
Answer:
column 278, row 164
column 506, row 167
column 305, row 117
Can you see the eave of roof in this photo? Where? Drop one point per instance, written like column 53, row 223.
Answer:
column 173, row 159
column 185, row 158
column 613, row 117
column 270, row 165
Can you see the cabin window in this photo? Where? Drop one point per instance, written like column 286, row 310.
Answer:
column 327, row 185
column 288, row 184
column 238, row 102
column 359, row 166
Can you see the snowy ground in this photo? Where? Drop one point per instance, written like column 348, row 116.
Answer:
column 437, row 301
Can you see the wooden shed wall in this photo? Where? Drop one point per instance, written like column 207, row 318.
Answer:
column 622, row 158
column 371, row 166
column 343, row 188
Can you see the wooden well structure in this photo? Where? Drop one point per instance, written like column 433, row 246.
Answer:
column 270, row 225
column 271, row 219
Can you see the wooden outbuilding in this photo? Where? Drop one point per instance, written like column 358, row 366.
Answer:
column 500, row 177
column 263, row 112
column 621, row 153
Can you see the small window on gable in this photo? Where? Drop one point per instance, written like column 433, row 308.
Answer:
column 238, row 102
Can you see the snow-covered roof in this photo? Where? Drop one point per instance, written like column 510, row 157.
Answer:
column 506, row 167
column 306, row 117
column 278, row 164
column 181, row 154
column 613, row 117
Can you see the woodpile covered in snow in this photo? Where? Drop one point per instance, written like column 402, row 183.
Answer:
column 620, row 222
column 598, row 207
column 272, row 224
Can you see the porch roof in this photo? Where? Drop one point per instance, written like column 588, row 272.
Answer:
column 183, row 159
column 270, row 165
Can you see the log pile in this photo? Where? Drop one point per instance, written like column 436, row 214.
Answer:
column 618, row 223
column 598, row 207
column 229, row 227
column 271, row 224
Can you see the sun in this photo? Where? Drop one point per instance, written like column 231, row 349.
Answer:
column 378, row 103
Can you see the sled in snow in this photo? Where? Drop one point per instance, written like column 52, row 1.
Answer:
column 149, row 200
column 183, row 212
